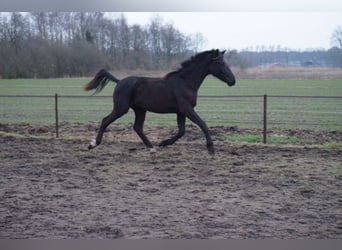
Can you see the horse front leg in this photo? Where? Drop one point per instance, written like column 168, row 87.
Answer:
column 195, row 118
column 181, row 131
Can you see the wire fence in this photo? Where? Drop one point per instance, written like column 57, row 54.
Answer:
column 260, row 111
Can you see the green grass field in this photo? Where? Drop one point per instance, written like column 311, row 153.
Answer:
column 211, row 87
column 289, row 112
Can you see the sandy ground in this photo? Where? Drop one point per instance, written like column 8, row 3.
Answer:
column 56, row 188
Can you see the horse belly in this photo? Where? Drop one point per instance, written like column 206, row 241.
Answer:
column 159, row 107
column 158, row 104
column 163, row 110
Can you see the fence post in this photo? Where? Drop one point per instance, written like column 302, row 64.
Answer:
column 265, row 120
column 56, row 114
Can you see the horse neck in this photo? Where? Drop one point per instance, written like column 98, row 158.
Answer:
column 195, row 75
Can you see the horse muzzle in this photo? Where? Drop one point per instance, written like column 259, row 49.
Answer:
column 230, row 81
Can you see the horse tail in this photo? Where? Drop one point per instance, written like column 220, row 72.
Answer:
column 100, row 81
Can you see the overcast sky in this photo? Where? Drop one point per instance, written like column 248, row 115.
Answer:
column 295, row 24
column 238, row 30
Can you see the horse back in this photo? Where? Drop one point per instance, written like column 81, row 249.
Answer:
column 151, row 94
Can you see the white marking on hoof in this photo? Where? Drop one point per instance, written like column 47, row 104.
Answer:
column 92, row 143
column 153, row 150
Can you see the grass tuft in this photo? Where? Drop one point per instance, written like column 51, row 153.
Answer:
column 276, row 139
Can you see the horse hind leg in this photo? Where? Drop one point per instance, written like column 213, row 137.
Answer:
column 106, row 121
column 140, row 115
column 92, row 143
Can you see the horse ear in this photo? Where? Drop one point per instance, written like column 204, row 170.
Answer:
column 217, row 54
column 223, row 52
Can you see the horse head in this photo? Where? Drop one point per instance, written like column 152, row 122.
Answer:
column 220, row 69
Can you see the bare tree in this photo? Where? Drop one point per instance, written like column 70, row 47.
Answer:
column 139, row 38
column 54, row 44
column 336, row 37
column 155, row 41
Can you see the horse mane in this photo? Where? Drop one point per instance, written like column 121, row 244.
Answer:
column 199, row 57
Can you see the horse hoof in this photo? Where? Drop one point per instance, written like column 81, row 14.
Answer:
column 92, row 144
column 153, row 151
column 211, row 151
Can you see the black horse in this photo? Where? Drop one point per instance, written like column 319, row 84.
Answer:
column 174, row 93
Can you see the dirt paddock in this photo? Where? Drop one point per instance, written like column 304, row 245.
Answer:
column 56, row 188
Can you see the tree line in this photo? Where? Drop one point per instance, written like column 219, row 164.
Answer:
column 69, row 44
column 58, row 44
column 266, row 56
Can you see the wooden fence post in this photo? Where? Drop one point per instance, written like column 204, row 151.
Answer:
column 56, row 114
column 265, row 120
